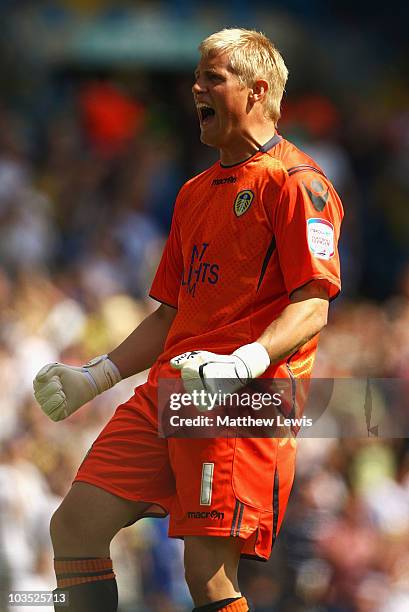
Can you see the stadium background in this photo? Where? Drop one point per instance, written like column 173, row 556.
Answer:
column 97, row 132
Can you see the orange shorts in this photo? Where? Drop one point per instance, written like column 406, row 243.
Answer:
column 210, row 487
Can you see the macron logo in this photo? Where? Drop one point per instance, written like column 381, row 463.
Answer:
column 224, row 181
column 214, row 514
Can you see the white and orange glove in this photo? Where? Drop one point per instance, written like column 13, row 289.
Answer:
column 200, row 370
column 61, row 389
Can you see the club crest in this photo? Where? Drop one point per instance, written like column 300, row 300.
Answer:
column 243, row 202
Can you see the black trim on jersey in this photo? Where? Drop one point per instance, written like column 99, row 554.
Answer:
column 270, row 143
column 270, row 251
column 233, row 523
column 263, row 149
column 161, row 301
column 276, row 504
column 304, row 168
column 240, row 520
column 330, row 299
column 147, row 514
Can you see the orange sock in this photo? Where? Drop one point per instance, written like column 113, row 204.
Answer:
column 70, row 572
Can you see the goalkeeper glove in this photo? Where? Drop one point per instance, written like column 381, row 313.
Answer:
column 61, row 389
column 199, row 369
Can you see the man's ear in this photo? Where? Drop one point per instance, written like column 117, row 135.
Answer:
column 258, row 91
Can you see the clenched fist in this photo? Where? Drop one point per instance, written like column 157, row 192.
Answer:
column 61, row 389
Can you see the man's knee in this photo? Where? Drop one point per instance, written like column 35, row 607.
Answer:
column 70, row 531
column 88, row 519
column 57, row 525
column 85, row 522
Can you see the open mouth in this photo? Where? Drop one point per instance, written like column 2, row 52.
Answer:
column 206, row 113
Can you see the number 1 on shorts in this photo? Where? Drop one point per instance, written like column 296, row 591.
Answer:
column 206, row 485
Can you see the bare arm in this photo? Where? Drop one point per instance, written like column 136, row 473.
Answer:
column 142, row 347
column 299, row 322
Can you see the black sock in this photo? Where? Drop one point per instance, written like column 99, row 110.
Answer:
column 216, row 605
column 101, row 596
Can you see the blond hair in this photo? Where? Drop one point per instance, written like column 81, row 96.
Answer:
column 252, row 56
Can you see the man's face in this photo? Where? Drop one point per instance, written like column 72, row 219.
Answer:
column 221, row 102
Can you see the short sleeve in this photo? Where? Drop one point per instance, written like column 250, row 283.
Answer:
column 166, row 284
column 307, row 224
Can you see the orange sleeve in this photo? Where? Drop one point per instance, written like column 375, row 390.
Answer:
column 166, row 284
column 307, row 224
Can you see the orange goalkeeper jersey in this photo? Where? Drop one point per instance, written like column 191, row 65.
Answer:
column 242, row 239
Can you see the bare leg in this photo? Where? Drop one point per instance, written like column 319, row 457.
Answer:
column 211, row 565
column 88, row 519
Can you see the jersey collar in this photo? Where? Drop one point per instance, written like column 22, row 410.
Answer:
column 263, row 149
column 270, row 143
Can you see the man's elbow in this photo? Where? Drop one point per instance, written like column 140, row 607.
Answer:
column 320, row 315
column 166, row 314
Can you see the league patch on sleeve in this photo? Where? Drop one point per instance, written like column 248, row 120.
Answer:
column 320, row 234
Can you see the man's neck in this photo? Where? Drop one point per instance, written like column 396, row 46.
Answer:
column 247, row 145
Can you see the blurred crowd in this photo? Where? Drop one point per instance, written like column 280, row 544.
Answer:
column 88, row 175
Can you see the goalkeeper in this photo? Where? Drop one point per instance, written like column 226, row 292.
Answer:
column 244, row 283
